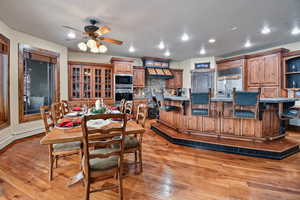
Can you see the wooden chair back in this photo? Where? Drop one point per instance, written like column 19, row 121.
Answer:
column 128, row 107
column 57, row 110
column 47, row 118
column 122, row 105
column 201, row 101
column 66, row 107
column 141, row 114
column 246, row 101
column 103, row 138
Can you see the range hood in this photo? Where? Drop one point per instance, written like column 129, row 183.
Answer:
column 157, row 67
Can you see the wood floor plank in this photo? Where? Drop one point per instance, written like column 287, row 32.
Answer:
column 170, row 172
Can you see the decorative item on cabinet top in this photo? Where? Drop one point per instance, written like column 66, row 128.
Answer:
column 157, row 67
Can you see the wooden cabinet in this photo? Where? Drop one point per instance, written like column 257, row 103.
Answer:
column 90, row 81
column 264, row 70
column 175, row 82
column 138, row 77
column 122, row 65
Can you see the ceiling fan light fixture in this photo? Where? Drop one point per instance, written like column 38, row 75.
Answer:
column 95, row 50
column 91, row 43
column 82, row 46
column 102, row 48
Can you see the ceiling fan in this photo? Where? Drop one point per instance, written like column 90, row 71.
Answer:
column 94, row 36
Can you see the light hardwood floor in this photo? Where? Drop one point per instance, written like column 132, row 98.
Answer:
column 170, row 172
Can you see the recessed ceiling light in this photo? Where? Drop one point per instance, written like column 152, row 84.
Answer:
column 234, row 28
column 161, row 45
column 71, row 35
column 248, row 44
column 185, row 37
column 167, row 53
column 131, row 49
column 266, row 30
column 212, row 40
column 202, row 51
column 295, row 31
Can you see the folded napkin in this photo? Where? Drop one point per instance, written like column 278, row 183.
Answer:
column 70, row 123
column 77, row 109
column 98, row 123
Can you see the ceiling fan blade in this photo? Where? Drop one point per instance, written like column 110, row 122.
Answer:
column 118, row 42
column 103, row 30
column 71, row 28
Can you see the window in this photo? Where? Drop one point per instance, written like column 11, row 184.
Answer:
column 4, row 82
column 38, row 81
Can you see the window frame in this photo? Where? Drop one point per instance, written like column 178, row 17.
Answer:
column 42, row 52
column 6, row 123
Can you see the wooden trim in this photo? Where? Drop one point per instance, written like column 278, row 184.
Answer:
column 6, row 43
column 156, row 59
column 32, row 117
column 265, row 53
column 247, row 56
column 178, row 70
column 117, row 59
column 138, row 67
column 90, row 64
column 231, row 59
column 292, row 53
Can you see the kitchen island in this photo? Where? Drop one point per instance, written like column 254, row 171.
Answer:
column 220, row 127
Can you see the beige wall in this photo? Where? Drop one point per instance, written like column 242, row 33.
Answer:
column 17, row 130
column 188, row 65
column 96, row 58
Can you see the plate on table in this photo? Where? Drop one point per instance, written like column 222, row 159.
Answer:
column 73, row 114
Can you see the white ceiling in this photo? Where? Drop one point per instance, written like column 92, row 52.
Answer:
column 143, row 23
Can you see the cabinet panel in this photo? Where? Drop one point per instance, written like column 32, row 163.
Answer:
column 123, row 67
column 87, row 82
column 75, row 78
column 175, row 82
column 138, row 78
column 271, row 69
column 255, row 70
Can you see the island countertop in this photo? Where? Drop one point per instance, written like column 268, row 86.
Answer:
column 229, row 99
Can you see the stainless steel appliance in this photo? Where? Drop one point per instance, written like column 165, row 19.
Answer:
column 123, row 87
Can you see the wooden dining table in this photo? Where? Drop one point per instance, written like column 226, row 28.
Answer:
column 58, row 135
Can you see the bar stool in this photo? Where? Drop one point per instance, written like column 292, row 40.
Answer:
column 203, row 99
column 245, row 104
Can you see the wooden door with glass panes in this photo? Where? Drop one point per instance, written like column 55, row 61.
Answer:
column 75, row 71
column 98, row 85
column 107, row 83
column 87, row 82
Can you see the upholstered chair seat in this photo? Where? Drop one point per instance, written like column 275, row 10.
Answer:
column 244, row 114
column 102, row 164
column 66, row 146
column 130, row 142
column 199, row 111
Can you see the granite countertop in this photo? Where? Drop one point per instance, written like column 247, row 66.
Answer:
column 176, row 98
column 229, row 99
column 262, row 100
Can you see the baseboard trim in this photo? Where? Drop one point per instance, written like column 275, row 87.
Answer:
column 293, row 128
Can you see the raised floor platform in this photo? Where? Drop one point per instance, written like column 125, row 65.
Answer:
column 277, row 149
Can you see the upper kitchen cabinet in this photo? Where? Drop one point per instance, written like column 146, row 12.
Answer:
column 264, row 70
column 122, row 65
column 176, row 81
column 138, row 77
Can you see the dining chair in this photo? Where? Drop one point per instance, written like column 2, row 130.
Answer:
column 128, row 107
column 65, row 107
column 57, row 150
column 105, row 162
column 57, row 110
column 122, row 105
column 201, row 99
column 245, row 104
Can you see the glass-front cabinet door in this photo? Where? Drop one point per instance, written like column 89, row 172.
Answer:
column 90, row 81
column 76, row 81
